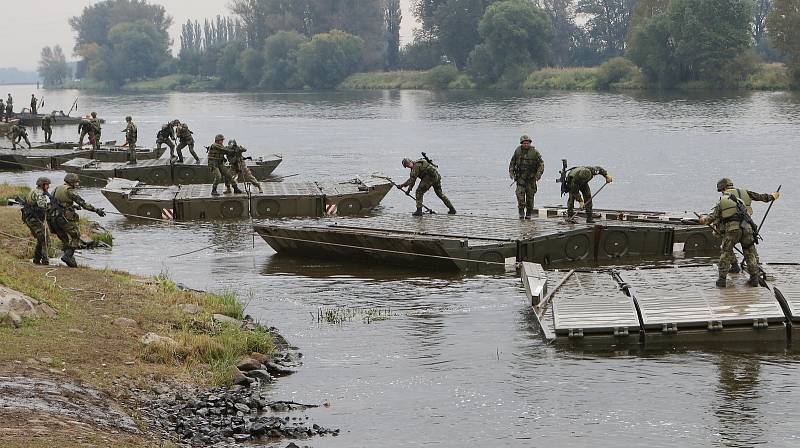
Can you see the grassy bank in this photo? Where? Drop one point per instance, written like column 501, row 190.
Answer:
column 169, row 83
column 84, row 342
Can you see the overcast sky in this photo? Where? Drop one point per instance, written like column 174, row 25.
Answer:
column 38, row 23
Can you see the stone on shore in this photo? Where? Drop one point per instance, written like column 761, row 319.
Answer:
column 125, row 322
column 14, row 306
column 223, row 319
column 152, row 338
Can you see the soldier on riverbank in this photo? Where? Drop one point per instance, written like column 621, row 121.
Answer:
column 166, row 136
column 62, row 217
column 216, row 162
column 131, row 134
column 97, row 130
column 186, row 139
column 34, row 215
column 526, row 168
column 428, row 177
column 47, row 127
column 731, row 215
column 18, row 133
column 577, row 180
column 34, row 104
column 239, row 169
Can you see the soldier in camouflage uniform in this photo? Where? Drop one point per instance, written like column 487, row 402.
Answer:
column 186, row 139
column 18, row 133
column 3, row 111
column 131, row 134
column 166, row 136
column 97, row 130
column 47, row 127
column 9, row 108
column 239, row 169
column 34, row 104
column 34, row 212
column 578, row 179
column 62, row 217
column 735, row 228
column 84, row 129
column 526, row 168
column 216, row 162
column 428, row 177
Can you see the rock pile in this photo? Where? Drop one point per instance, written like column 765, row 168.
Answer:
column 14, row 306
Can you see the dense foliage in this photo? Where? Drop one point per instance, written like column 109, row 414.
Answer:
column 53, row 68
column 783, row 27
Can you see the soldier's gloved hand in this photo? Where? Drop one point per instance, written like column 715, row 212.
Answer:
column 776, row 195
column 609, row 179
column 100, row 212
column 703, row 220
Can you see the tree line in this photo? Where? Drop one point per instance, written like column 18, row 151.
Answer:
column 288, row 44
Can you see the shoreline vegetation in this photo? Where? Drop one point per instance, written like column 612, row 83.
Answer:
column 617, row 74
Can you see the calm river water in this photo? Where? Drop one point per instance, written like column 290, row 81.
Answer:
column 460, row 362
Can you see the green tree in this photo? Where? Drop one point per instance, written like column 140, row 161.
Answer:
column 422, row 54
column 457, row 27
column 280, row 60
column 251, row 66
column 608, row 24
column 783, row 29
column 137, row 50
column 329, row 58
column 567, row 35
column 227, row 67
column 516, row 37
column 393, row 15
column 692, row 40
column 53, row 68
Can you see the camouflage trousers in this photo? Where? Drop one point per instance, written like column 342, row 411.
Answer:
column 525, row 193
column 132, row 151
column 16, row 141
column 423, row 188
column 727, row 257
column 48, row 133
column 243, row 174
column 67, row 231
column 575, row 192
column 220, row 172
column 168, row 142
column 184, row 144
column 39, row 232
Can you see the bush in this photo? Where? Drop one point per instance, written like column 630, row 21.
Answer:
column 280, row 61
column 440, row 77
column 329, row 58
column 463, row 81
column 613, row 71
column 421, row 54
column 769, row 77
column 386, row 80
column 577, row 78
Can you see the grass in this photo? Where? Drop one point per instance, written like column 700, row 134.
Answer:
column 8, row 191
column 575, row 78
column 88, row 347
column 769, row 77
column 414, row 80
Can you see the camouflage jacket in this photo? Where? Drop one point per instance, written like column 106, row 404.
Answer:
column 167, row 133
column 715, row 215
column 526, row 164
column 84, row 126
column 423, row 171
column 184, row 133
column 36, row 204
column 34, row 102
column 18, row 131
column 96, row 127
column 131, row 132
column 47, row 121
column 583, row 174
column 217, row 154
column 66, row 198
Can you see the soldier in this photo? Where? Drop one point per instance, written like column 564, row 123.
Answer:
column 166, row 136
column 239, row 169
column 47, row 127
column 34, row 210
column 185, row 136
column 62, row 217
column 216, row 161
column 428, row 177
column 9, row 108
column 18, row 133
column 131, row 135
column 578, row 183
column 732, row 216
column 526, row 168
column 97, row 129
column 34, row 103
column 84, row 128
column 3, row 111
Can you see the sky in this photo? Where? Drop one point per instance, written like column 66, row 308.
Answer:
column 40, row 23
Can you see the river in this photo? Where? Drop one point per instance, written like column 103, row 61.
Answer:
column 459, row 362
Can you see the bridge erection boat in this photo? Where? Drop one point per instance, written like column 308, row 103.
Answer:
column 279, row 199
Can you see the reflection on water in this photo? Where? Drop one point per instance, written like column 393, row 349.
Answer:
column 459, row 361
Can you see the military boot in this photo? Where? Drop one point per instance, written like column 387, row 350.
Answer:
column 214, row 191
column 452, row 211
column 69, row 259
column 522, row 213
column 227, row 190
column 45, row 261
column 37, row 260
column 735, row 269
column 418, row 212
column 722, row 282
column 754, row 280
column 236, row 190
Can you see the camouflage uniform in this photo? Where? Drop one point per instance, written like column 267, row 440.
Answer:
column 131, row 135
column 185, row 136
column 47, row 127
column 166, row 136
column 3, row 111
column 19, row 133
column 97, row 130
column 34, row 103
column 526, row 168
column 735, row 229
column 578, row 179
column 62, row 218
column 239, row 169
column 34, row 216
column 84, row 129
column 216, row 162
column 428, row 177
column 9, row 108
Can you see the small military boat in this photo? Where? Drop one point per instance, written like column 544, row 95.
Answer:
column 26, row 118
column 279, row 199
column 52, row 157
column 159, row 171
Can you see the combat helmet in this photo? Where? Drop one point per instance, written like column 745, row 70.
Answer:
column 128, row 118
column 219, row 137
column 94, row 114
column 41, row 181
column 724, row 184
column 407, row 160
column 71, row 179
column 525, row 138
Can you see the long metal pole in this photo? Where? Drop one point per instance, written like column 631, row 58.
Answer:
column 428, row 209
column 767, row 213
